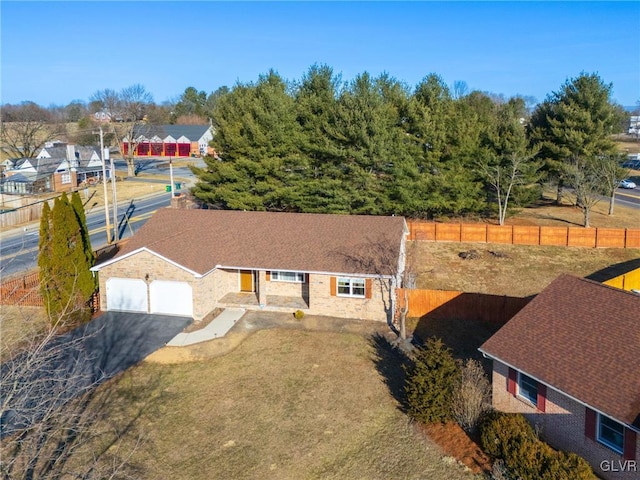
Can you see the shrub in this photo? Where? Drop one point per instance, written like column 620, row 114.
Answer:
column 565, row 466
column 499, row 432
column 431, row 377
column 509, row 437
column 298, row 314
column 471, row 395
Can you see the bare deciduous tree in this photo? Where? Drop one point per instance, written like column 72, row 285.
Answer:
column 471, row 395
column 612, row 174
column 53, row 417
column 127, row 110
column 518, row 170
column 375, row 256
column 586, row 177
column 25, row 129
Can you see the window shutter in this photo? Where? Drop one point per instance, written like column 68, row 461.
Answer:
column 268, row 276
column 367, row 288
column 629, row 444
column 512, row 381
column 542, row 397
column 332, row 286
column 590, row 423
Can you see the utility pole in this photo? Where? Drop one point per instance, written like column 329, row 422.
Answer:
column 114, row 178
column 104, row 184
column 171, row 177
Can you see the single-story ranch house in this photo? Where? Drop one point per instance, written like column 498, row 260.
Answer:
column 189, row 262
column 570, row 362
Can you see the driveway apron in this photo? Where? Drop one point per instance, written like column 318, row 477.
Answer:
column 78, row 361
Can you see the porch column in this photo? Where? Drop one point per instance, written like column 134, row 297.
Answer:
column 261, row 287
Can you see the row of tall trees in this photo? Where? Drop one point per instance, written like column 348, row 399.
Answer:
column 376, row 146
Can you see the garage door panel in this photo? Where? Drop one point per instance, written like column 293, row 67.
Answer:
column 171, row 298
column 127, row 294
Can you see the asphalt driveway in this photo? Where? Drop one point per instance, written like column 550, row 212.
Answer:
column 77, row 362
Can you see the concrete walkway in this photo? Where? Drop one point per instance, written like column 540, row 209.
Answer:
column 217, row 328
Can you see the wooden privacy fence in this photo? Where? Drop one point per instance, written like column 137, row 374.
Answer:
column 23, row 291
column 525, row 235
column 447, row 304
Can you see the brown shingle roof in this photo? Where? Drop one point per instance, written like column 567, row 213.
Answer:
column 582, row 338
column 202, row 239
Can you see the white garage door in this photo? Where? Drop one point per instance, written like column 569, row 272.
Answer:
column 171, row 298
column 127, row 294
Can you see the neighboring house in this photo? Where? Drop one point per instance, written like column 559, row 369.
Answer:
column 189, row 262
column 7, row 164
column 570, row 362
column 170, row 141
column 634, row 125
column 55, row 169
column 102, row 116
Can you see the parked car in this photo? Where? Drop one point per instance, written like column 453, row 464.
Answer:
column 627, row 184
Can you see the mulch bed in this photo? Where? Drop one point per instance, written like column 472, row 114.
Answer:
column 455, row 442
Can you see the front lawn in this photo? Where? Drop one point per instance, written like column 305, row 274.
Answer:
column 284, row 404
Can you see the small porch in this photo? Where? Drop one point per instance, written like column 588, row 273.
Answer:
column 249, row 300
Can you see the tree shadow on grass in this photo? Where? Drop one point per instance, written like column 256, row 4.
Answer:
column 389, row 360
column 462, row 336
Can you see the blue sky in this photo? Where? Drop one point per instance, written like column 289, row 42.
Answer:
column 56, row 52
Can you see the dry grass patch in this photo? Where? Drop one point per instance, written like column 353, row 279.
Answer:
column 19, row 326
column 547, row 213
column 517, row 271
column 284, row 404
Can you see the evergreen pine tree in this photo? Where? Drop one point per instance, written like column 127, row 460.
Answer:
column 431, row 379
column 44, row 255
column 68, row 283
column 78, row 208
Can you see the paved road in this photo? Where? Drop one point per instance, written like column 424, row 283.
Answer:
column 77, row 362
column 19, row 248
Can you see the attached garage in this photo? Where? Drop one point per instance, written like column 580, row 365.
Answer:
column 127, row 294
column 171, row 298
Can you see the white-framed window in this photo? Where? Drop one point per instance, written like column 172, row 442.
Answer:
column 292, row 277
column 610, row 433
column 351, row 287
column 528, row 388
column 65, row 177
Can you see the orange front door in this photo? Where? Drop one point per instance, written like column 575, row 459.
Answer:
column 246, row 281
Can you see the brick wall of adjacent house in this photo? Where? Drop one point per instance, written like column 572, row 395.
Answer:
column 562, row 425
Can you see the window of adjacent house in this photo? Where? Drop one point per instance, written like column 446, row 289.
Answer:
column 351, row 287
column 610, row 433
column 65, row 178
column 528, row 388
column 293, row 277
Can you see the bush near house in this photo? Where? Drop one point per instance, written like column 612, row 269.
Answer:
column 510, row 438
column 432, row 375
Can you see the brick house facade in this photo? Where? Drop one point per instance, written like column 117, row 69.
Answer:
column 570, row 363
column 324, row 264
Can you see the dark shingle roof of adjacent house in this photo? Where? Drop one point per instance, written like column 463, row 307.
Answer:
column 43, row 166
column 192, row 132
column 200, row 240
column 83, row 152
column 582, row 338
